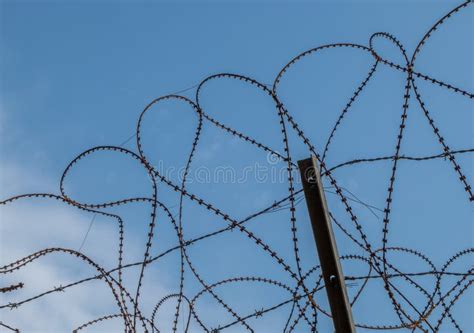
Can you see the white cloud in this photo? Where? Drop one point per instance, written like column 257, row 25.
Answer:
column 27, row 226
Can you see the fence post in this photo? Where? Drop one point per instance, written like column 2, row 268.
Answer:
column 326, row 246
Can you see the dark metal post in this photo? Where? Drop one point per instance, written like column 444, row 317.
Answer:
column 326, row 246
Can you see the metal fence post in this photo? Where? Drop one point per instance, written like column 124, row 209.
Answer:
column 326, row 246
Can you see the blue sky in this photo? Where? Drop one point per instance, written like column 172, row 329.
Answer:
column 76, row 75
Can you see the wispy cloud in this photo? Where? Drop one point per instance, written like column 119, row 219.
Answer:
column 27, row 226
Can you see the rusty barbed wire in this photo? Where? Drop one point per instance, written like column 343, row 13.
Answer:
column 303, row 286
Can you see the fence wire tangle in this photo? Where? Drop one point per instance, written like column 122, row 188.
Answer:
column 304, row 308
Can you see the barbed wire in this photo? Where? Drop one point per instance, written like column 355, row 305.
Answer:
column 302, row 286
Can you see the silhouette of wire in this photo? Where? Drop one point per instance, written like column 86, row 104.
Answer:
column 87, row 233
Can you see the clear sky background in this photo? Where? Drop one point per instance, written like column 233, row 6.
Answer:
column 77, row 74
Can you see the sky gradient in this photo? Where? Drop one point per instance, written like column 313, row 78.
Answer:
column 77, row 75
